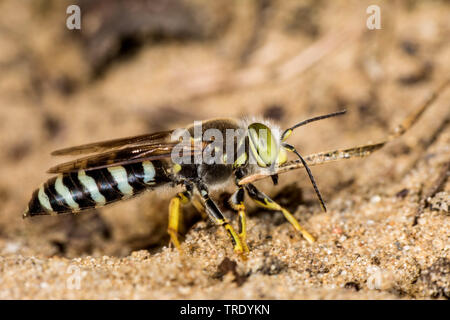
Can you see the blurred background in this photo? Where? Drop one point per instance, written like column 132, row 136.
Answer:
column 138, row 66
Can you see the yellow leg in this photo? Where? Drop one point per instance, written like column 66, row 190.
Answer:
column 216, row 215
column 243, row 226
column 265, row 202
column 233, row 235
column 235, row 239
column 237, row 202
column 175, row 216
column 242, row 222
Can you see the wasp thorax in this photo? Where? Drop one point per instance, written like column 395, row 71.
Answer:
column 264, row 147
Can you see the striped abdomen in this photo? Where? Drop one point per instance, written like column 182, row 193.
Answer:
column 76, row 191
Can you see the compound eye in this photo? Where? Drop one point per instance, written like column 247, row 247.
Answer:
column 262, row 144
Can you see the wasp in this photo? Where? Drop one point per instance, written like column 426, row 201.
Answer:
column 124, row 168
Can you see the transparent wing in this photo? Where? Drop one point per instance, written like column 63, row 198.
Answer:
column 151, row 138
column 123, row 156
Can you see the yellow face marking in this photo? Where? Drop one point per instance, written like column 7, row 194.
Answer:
column 89, row 183
column 282, row 156
column 120, row 176
column 254, row 151
column 241, row 159
column 262, row 143
column 64, row 192
column 44, row 200
column 149, row 172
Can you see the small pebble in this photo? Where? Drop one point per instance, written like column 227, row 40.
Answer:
column 375, row 199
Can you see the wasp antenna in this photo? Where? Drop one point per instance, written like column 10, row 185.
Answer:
column 316, row 189
column 288, row 131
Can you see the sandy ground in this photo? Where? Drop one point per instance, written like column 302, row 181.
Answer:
column 386, row 234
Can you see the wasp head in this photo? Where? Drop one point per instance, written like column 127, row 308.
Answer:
column 265, row 146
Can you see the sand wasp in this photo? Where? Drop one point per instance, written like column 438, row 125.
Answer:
column 123, row 168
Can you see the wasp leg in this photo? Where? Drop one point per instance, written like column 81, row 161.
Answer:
column 237, row 203
column 196, row 202
column 214, row 213
column 175, row 216
column 263, row 200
